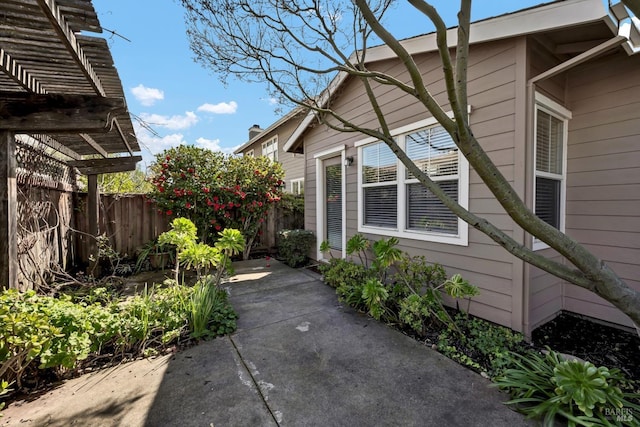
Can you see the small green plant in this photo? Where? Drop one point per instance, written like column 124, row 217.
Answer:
column 385, row 254
column 206, row 304
column 325, row 248
column 487, row 344
column 153, row 255
column 199, row 256
column 548, row 386
column 374, row 295
column 294, row 246
column 340, row 272
column 359, row 245
column 4, row 389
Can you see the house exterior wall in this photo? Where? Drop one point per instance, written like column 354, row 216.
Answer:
column 292, row 163
column 545, row 290
column 603, row 182
column 497, row 105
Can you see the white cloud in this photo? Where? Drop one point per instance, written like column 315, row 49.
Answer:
column 211, row 144
column 272, row 100
column 174, row 122
column 147, row 96
column 214, row 145
column 221, row 108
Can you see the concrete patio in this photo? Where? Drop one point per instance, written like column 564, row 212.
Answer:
column 298, row 358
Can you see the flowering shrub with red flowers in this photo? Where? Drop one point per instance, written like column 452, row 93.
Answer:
column 216, row 191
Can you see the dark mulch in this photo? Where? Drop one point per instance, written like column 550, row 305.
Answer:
column 594, row 342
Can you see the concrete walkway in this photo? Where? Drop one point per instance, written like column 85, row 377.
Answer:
column 298, row 358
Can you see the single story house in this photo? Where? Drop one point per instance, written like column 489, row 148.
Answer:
column 554, row 95
column 270, row 141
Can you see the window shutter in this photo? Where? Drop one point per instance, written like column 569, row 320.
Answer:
column 380, row 206
column 427, row 213
column 549, row 134
column 548, row 201
column 379, row 164
column 433, row 151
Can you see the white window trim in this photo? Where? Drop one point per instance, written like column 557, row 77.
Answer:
column 320, row 198
column 461, row 239
column 274, row 143
column 558, row 111
column 249, row 153
column 300, row 182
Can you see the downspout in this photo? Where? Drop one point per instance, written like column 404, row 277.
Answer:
column 531, row 88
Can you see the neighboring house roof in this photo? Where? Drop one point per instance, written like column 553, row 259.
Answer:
column 543, row 18
column 291, row 114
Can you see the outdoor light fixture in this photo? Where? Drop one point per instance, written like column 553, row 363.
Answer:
column 619, row 11
column 348, row 161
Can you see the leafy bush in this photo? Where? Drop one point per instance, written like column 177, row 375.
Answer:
column 216, row 191
column 294, row 246
column 40, row 332
column 486, row 345
column 549, row 386
column 340, row 272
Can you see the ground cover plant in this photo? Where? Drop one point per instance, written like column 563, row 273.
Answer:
column 45, row 338
column 407, row 293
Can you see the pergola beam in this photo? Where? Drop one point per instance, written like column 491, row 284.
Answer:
column 68, row 38
column 18, row 74
column 56, row 113
column 92, row 142
column 108, row 165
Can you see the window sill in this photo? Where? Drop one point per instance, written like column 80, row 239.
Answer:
column 458, row 240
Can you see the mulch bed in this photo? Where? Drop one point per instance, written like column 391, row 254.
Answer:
column 594, row 342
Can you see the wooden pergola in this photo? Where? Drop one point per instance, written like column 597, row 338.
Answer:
column 61, row 88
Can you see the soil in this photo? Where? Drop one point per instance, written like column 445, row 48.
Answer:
column 594, row 342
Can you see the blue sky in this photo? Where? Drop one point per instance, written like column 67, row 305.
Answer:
column 183, row 102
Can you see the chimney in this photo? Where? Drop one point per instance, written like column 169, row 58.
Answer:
column 254, row 130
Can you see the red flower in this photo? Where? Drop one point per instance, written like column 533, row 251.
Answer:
column 169, row 212
column 230, row 205
column 168, row 158
column 209, row 202
column 182, row 175
column 191, row 170
column 205, row 190
column 213, row 221
column 218, row 227
column 215, row 198
column 161, row 189
column 189, row 192
column 188, row 205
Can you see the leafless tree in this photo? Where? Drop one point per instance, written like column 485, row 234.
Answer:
column 302, row 47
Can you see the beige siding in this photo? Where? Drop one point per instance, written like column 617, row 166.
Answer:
column 492, row 93
column 603, row 183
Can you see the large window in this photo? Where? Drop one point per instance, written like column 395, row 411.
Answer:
column 270, row 149
column 393, row 202
column 550, row 162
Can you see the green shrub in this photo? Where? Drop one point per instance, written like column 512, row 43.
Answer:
column 486, row 344
column 294, row 246
column 41, row 332
column 549, row 386
column 342, row 272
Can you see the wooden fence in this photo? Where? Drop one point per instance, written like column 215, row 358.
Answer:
column 130, row 222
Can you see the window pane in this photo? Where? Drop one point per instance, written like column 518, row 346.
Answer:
column 549, row 134
column 427, row 213
column 380, row 206
column 334, row 206
column 379, row 164
column 433, row 151
column 548, row 201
